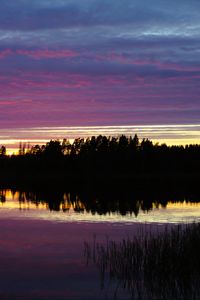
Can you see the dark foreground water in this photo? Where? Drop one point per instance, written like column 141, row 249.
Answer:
column 42, row 241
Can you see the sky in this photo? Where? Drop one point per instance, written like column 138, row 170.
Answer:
column 69, row 63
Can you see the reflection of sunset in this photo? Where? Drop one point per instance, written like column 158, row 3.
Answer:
column 13, row 201
column 182, row 205
column 23, row 200
column 178, row 205
column 67, row 207
column 73, row 206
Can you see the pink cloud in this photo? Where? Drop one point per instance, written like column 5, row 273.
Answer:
column 5, row 53
column 122, row 58
column 7, row 102
column 45, row 53
column 167, row 65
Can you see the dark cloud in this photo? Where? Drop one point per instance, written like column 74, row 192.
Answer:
column 36, row 15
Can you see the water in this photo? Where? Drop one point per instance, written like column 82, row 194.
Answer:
column 42, row 240
column 65, row 207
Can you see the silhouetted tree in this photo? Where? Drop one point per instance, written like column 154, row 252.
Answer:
column 2, row 150
column 77, row 145
column 53, row 149
column 66, row 147
column 123, row 143
column 36, row 150
column 105, row 157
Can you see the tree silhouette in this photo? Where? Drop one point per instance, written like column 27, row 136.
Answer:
column 2, row 150
column 104, row 158
column 53, row 149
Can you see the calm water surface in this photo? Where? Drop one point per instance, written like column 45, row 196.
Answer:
column 42, row 241
column 65, row 208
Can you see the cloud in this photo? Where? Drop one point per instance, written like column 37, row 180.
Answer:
column 64, row 60
column 5, row 53
column 46, row 53
column 37, row 15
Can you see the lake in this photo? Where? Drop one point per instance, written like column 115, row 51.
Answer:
column 42, row 237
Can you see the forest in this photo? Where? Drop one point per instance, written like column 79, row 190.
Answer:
column 101, row 157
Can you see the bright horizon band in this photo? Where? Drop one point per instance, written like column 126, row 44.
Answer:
column 171, row 134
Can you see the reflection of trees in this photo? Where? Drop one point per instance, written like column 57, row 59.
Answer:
column 2, row 196
column 151, row 266
column 100, row 200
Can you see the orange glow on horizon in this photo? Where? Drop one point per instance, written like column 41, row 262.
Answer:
column 163, row 134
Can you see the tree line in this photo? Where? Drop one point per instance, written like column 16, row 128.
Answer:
column 102, row 156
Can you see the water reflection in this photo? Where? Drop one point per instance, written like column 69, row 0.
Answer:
column 87, row 206
column 151, row 265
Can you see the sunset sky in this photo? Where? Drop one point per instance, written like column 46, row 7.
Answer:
column 74, row 63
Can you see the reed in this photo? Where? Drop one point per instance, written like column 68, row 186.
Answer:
column 163, row 265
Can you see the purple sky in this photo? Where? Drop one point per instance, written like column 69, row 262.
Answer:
column 99, row 62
